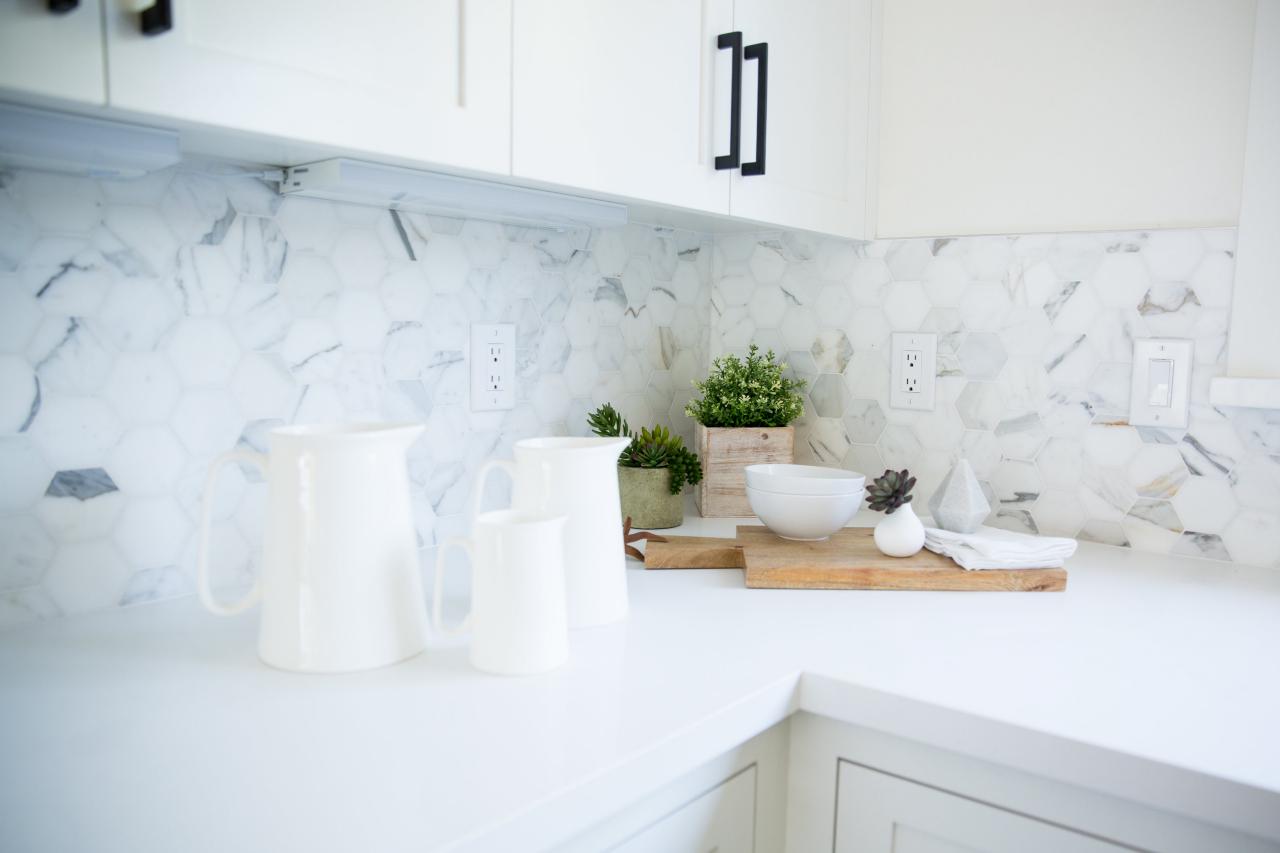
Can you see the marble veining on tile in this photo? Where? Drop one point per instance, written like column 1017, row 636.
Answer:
column 1034, row 358
column 163, row 321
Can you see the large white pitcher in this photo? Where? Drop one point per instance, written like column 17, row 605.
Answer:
column 340, row 585
column 576, row 478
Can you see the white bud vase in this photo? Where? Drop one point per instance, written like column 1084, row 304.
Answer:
column 900, row 533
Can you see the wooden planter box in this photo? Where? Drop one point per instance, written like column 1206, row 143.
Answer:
column 725, row 452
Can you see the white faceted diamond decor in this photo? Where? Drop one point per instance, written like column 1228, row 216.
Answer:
column 147, row 326
column 142, row 333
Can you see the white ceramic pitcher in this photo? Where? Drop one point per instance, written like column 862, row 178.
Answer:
column 576, row 478
column 517, row 617
column 340, row 585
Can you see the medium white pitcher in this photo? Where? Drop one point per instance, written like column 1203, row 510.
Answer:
column 340, row 585
column 576, row 478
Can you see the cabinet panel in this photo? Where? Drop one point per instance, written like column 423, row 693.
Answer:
column 421, row 79
column 819, row 69
column 1002, row 116
column 880, row 813
column 52, row 55
column 620, row 97
column 720, row 821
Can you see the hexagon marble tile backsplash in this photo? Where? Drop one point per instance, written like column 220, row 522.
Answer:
column 146, row 326
column 1035, row 340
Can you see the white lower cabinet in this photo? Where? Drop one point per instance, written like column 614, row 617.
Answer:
column 720, row 821
column 880, row 813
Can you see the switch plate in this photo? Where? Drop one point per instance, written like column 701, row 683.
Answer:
column 913, row 362
column 1161, row 382
column 493, row 367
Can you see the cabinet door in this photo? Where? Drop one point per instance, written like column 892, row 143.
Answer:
column 720, row 821
column 623, row 97
column 819, row 66
column 425, row 80
column 52, row 55
column 879, row 813
column 1003, row 116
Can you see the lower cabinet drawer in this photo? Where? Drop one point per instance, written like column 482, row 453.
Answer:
column 720, row 821
column 881, row 813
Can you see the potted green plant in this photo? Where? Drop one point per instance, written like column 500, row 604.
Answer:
column 900, row 533
column 652, row 471
column 742, row 418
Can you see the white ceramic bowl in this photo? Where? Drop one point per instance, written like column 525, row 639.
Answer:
column 804, row 480
column 805, row 517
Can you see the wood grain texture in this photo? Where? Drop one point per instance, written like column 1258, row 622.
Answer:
column 725, row 453
column 693, row 552
column 848, row 560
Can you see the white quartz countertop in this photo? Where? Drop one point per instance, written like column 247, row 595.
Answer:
column 155, row 728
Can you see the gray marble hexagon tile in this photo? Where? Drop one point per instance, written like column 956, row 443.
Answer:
column 148, row 325
column 1035, row 348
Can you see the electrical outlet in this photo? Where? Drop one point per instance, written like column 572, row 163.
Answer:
column 913, row 359
column 493, row 367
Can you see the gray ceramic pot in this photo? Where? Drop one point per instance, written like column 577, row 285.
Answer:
column 646, row 497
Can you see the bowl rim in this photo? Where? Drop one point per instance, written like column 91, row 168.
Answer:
column 803, row 472
column 861, row 493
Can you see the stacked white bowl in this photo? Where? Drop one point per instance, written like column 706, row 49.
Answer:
column 805, row 502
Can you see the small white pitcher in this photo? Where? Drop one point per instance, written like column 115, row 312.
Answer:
column 517, row 618
column 341, row 588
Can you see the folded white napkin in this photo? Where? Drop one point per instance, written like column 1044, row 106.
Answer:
column 993, row 548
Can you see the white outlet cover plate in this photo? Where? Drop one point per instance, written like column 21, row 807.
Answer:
column 493, row 382
column 1141, row 412
column 927, row 344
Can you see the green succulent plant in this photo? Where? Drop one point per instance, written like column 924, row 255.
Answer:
column 650, row 448
column 747, row 393
column 891, row 490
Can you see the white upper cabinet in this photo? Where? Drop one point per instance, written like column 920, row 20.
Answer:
column 1003, row 116
column 52, row 50
column 425, row 80
column 622, row 97
column 818, row 84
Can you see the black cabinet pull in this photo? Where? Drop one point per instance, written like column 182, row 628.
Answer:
column 760, row 53
column 158, row 18
column 62, row 7
column 734, row 157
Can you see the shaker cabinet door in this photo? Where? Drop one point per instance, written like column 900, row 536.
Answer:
column 817, row 88
column 47, row 54
column 880, row 813
column 624, row 98
column 720, row 821
column 426, row 80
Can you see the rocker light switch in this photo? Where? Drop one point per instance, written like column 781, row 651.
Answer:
column 1161, row 383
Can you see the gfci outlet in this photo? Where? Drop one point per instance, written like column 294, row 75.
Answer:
column 913, row 359
column 493, row 367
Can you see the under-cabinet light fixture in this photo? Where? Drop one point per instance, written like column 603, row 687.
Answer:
column 60, row 142
column 416, row 191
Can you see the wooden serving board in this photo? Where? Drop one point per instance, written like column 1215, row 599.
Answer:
column 848, row 560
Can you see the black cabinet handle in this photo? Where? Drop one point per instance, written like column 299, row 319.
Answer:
column 760, row 53
column 734, row 157
column 158, row 18
column 62, row 7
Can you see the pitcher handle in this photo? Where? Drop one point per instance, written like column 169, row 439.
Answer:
column 437, row 600
column 206, row 518
column 482, row 477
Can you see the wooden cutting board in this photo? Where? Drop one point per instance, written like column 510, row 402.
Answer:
column 848, row 560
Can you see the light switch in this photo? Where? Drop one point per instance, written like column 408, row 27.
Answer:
column 1161, row 384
